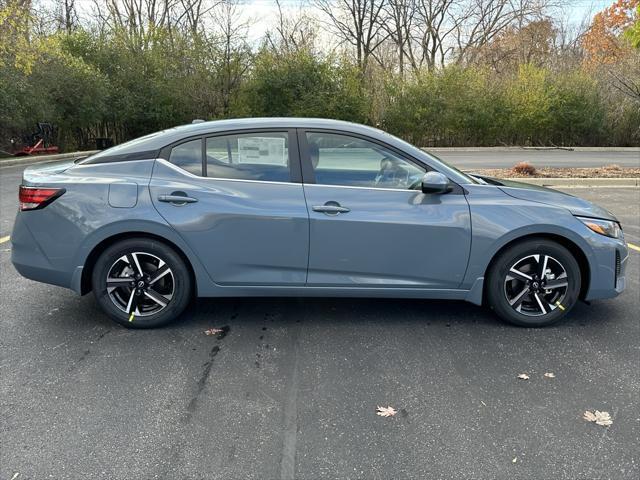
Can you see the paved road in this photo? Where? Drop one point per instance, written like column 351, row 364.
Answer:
column 292, row 387
column 546, row 158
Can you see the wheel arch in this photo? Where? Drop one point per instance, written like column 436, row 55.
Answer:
column 94, row 254
column 575, row 250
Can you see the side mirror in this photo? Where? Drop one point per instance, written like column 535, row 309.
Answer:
column 435, row 182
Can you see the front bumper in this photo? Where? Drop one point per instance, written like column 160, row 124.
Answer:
column 609, row 268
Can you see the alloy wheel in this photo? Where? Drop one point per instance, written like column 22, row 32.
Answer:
column 536, row 285
column 140, row 284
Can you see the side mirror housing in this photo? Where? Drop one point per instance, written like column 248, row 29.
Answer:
column 435, row 182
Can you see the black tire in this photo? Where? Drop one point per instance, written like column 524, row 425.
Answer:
column 146, row 251
column 504, row 287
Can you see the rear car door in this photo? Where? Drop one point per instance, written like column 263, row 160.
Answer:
column 237, row 200
column 370, row 223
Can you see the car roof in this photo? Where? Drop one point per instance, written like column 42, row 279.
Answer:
column 148, row 146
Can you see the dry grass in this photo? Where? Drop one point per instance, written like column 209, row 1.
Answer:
column 603, row 172
column 612, row 168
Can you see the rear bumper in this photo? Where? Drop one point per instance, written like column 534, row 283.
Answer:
column 29, row 259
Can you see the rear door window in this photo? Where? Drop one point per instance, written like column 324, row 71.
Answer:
column 188, row 156
column 260, row 156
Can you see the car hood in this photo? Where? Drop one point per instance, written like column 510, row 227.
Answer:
column 548, row 196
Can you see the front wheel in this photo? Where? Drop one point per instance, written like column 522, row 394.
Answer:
column 534, row 283
column 141, row 283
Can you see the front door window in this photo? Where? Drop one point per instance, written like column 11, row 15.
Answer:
column 354, row 162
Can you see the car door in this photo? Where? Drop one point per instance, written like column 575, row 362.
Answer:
column 370, row 223
column 237, row 200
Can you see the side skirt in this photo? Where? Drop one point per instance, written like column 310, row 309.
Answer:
column 270, row 291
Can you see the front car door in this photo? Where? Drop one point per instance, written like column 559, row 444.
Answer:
column 237, row 200
column 370, row 224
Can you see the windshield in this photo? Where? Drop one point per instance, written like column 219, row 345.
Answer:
column 449, row 170
column 471, row 178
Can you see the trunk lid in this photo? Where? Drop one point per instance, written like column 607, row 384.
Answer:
column 42, row 173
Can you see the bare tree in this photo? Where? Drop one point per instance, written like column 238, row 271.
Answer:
column 232, row 32
column 66, row 15
column 293, row 32
column 399, row 25
column 483, row 20
column 429, row 33
column 194, row 13
column 357, row 22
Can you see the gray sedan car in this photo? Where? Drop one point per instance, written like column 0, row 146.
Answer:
column 305, row 207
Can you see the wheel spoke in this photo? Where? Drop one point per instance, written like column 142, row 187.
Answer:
column 131, row 304
column 158, row 274
column 561, row 281
column 544, row 266
column 517, row 274
column 558, row 283
column 156, row 297
column 517, row 300
column 118, row 282
column 132, row 258
column 537, row 297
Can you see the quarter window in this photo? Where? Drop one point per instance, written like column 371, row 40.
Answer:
column 255, row 156
column 188, row 156
column 350, row 161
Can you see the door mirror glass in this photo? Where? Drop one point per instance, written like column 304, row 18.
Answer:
column 435, row 182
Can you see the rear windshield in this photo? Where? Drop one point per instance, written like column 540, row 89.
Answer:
column 122, row 149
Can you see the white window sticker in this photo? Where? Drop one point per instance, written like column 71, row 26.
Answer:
column 262, row 150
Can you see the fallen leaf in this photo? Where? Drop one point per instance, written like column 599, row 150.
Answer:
column 386, row 411
column 213, row 331
column 600, row 418
column 523, row 376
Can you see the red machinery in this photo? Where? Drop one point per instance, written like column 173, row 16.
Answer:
column 37, row 143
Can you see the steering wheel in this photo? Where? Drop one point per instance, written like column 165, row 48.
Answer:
column 416, row 184
column 389, row 169
column 392, row 173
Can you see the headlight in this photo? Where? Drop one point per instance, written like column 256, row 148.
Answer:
column 608, row 228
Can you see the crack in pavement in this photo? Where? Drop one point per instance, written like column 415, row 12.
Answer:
column 290, row 414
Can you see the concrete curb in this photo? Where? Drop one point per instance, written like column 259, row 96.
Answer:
column 580, row 182
column 29, row 159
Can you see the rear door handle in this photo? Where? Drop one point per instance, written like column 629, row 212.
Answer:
column 330, row 209
column 177, row 198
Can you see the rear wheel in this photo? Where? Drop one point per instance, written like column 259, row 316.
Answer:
column 534, row 283
column 141, row 283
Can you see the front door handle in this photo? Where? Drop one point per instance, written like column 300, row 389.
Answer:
column 177, row 198
column 330, row 208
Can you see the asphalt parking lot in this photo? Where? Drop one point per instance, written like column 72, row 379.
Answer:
column 290, row 389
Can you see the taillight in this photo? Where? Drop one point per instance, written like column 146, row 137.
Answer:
column 32, row 198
